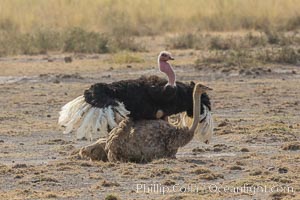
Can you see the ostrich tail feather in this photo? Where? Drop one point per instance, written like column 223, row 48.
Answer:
column 110, row 118
column 69, row 110
column 205, row 128
column 90, row 122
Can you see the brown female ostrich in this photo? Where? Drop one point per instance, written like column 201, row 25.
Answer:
column 145, row 140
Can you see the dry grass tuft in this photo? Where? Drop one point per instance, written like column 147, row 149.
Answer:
column 125, row 58
column 106, row 183
column 292, row 146
column 202, row 170
column 111, row 197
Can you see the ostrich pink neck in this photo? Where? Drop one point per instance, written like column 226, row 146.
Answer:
column 166, row 68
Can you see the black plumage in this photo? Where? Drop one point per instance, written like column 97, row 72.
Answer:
column 143, row 97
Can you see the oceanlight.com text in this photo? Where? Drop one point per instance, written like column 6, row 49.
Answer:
column 211, row 188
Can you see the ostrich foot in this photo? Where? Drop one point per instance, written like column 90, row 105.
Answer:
column 159, row 114
column 94, row 151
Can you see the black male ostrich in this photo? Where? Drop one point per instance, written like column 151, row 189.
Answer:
column 103, row 106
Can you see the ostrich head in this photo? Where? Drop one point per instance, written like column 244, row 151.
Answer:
column 166, row 68
column 165, row 56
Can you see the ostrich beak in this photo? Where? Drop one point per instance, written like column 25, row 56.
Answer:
column 208, row 88
column 171, row 58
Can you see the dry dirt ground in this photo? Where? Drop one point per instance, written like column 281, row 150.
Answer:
column 254, row 153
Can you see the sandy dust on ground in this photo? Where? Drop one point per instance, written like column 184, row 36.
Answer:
column 254, row 153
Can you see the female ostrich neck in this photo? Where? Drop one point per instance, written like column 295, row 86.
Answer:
column 196, row 110
column 166, row 68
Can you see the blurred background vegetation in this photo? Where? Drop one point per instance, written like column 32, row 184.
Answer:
column 103, row 26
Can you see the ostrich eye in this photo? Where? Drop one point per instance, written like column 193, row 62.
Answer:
column 163, row 55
